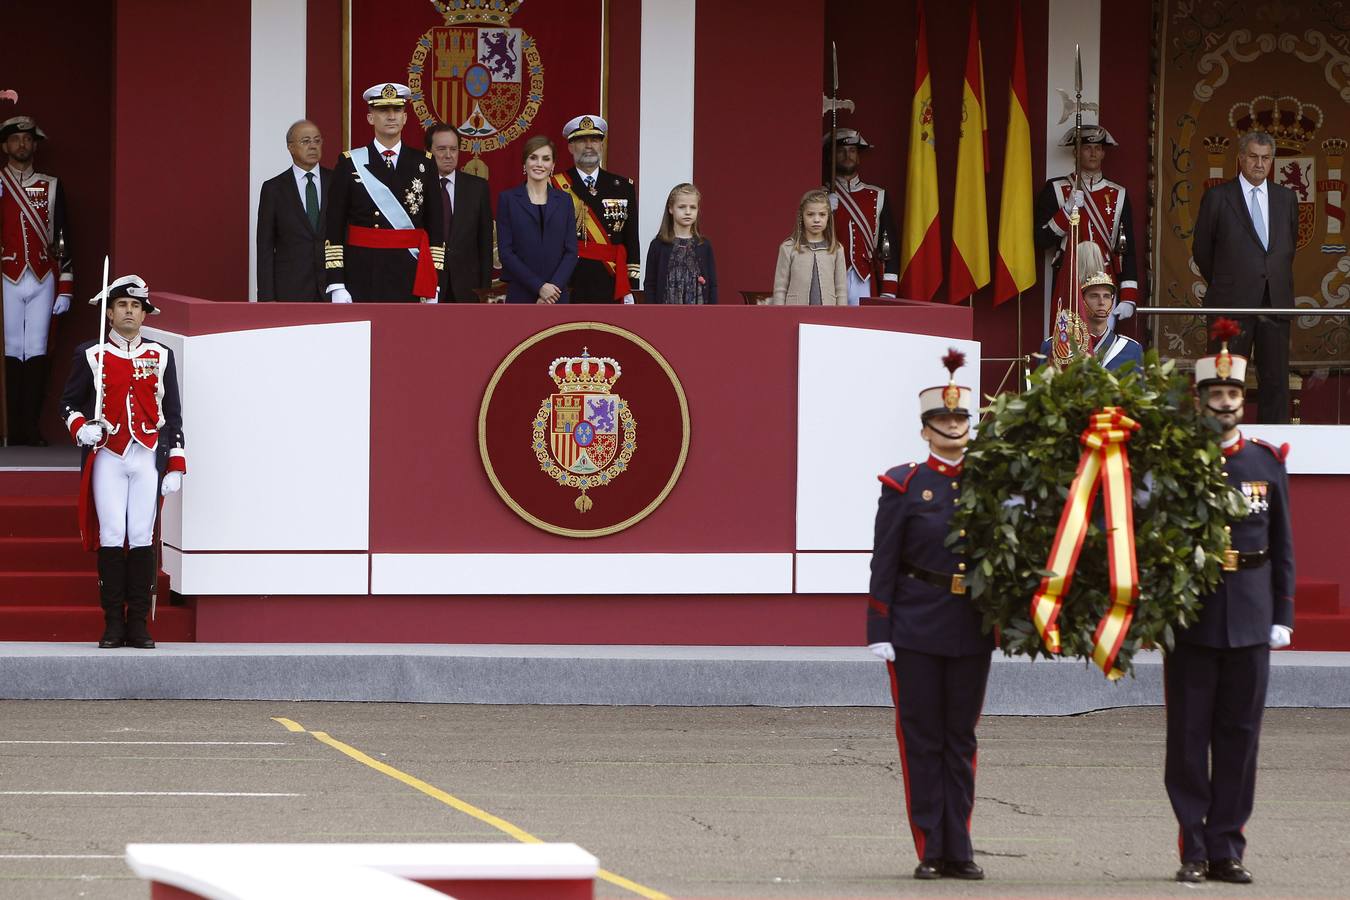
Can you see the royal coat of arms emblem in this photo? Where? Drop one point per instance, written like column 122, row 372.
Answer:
column 584, row 435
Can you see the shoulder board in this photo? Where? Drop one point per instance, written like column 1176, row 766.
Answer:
column 428, row 153
column 1281, row 452
column 629, row 180
column 347, row 153
column 902, row 485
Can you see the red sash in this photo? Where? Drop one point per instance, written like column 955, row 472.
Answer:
column 616, row 255
column 424, row 284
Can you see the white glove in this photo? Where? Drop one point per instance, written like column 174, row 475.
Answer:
column 340, row 295
column 90, row 433
column 1077, row 200
column 883, row 650
column 173, row 483
column 1280, row 636
column 61, row 305
column 628, row 299
column 1124, row 309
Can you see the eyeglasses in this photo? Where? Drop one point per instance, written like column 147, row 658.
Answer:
column 308, row 142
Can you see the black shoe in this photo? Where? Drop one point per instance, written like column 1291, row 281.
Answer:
column 1229, row 870
column 965, row 869
column 928, row 870
column 1192, row 872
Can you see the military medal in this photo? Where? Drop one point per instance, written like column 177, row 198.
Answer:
column 592, row 191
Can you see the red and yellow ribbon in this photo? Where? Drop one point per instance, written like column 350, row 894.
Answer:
column 1106, row 464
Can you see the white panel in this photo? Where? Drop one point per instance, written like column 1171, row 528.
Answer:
column 606, row 573
column 272, row 573
column 1313, row 449
column 283, row 464
column 857, row 416
column 666, row 139
column 833, row 573
column 171, row 561
column 276, row 99
column 171, row 514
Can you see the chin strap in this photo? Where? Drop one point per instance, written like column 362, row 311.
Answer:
column 952, row 437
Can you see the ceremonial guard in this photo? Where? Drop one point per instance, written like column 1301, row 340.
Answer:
column 1215, row 677
column 121, row 405
column 385, row 239
column 1105, row 209
column 608, row 268
column 38, row 281
column 920, row 621
column 1097, row 336
column 863, row 222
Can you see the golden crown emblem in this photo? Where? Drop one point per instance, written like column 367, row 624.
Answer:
column 477, row 12
column 1217, row 145
column 587, row 122
column 1334, row 147
column 1288, row 120
column 389, row 92
column 584, row 373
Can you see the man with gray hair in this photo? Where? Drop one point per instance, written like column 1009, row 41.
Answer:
column 1244, row 242
column 291, row 221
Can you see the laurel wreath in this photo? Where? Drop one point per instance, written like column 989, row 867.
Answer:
column 1017, row 475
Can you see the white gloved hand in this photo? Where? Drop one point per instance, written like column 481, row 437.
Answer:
column 1077, row 200
column 61, row 305
column 1280, row 636
column 1124, row 309
column 341, row 295
column 173, row 483
column 883, row 650
column 90, row 433
column 628, row 299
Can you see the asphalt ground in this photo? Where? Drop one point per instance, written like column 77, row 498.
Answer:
column 677, row 802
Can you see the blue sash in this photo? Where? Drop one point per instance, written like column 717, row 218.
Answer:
column 385, row 201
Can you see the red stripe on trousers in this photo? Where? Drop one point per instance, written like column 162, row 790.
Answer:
column 919, row 839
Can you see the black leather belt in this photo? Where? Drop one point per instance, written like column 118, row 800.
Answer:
column 1247, row 559
column 955, row 584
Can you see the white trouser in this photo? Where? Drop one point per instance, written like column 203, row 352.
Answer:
column 858, row 287
column 125, row 492
column 28, row 314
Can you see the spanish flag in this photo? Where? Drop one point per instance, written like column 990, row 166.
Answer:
column 970, row 220
column 921, row 237
column 1016, row 269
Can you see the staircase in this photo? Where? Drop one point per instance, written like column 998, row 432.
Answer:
column 1321, row 622
column 48, row 582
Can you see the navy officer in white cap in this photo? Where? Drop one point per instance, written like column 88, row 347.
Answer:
column 385, row 238
column 608, row 268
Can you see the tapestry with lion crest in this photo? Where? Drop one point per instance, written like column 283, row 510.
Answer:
column 1226, row 67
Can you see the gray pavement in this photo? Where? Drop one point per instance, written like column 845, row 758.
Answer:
column 686, row 802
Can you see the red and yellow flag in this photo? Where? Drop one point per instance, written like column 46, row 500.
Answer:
column 1016, row 269
column 920, row 233
column 970, row 219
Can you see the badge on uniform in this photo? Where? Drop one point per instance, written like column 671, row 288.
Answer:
column 927, row 495
column 1256, row 494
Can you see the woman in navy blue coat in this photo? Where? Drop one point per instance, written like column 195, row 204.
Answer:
column 536, row 231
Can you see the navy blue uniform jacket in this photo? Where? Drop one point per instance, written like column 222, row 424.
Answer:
column 532, row 258
column 914, row 517
column 1247, row 602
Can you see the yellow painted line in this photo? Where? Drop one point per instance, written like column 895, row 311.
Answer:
column 454, row 802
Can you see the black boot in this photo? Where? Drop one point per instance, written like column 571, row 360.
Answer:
column 13, row 403
column 141, row 574
column 35, row 389
column 112, row 595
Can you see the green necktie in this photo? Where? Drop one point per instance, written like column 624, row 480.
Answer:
column 311, row 200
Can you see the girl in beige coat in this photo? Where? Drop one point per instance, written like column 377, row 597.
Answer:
column 811, row 270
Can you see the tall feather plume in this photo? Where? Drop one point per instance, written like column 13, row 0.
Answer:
column 954, row 360
column 1090, row 260
column 1224, row 329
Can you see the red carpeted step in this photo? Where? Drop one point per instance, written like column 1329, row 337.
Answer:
column 64, row 554
column 85, row 624
column 28, row 483
column 1321, row 597
column 39, row 516
column 1313, row 631
column 53, row 589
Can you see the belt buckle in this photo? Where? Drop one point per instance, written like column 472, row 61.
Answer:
column 1230, row 560
column 958, row 584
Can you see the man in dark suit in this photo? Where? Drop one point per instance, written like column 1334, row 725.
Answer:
column 466, row 219
column 609, row 268
column 1215, row 677
column 1245, row 237
column 384, row 239
column 291, row 221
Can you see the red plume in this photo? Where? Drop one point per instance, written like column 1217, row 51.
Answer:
column 954, row 360
column 1224, row 329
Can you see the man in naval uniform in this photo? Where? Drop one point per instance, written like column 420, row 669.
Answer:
column 37, row 278
column 1215, row 677
column 608, row 264
column 133, row 454
column 863, row 221
column 920, row 621
column 385, row 239
column 1105, row 218
column 1099, row 296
